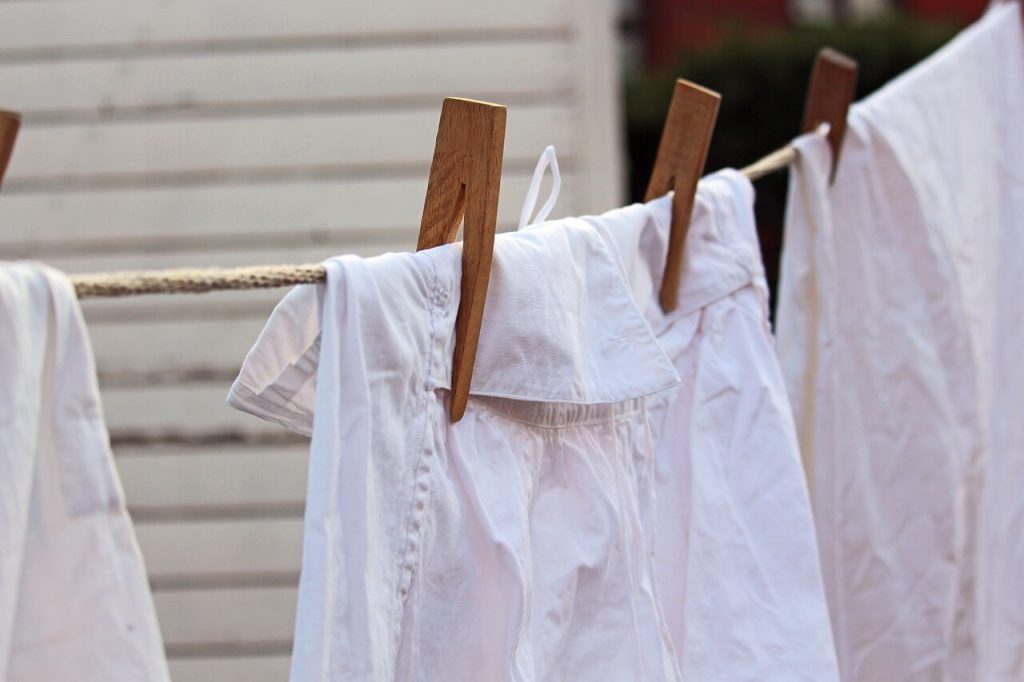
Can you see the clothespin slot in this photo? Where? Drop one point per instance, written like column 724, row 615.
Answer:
column 829, row 94
column 10, row 122
column 465, row 176
column 678, row 166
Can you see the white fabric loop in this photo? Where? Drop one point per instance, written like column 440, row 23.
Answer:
column 547, row 159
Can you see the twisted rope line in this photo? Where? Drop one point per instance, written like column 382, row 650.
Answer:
column 195, row 281
column 776, row 161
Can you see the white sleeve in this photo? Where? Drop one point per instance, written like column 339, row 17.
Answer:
column 277, row 381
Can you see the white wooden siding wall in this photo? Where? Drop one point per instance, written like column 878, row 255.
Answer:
column 227, row 132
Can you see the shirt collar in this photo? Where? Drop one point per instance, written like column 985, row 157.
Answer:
column 560, row 323
column 571, row 313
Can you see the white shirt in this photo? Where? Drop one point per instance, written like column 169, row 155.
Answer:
column 900, row 331
column 74, row 599
column 507, row 546
column 737, row 568
column 568, row 527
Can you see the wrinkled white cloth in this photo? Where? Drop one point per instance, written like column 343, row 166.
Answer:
column 900, row 328
column 737, row 567
column 509, row 545
column 74, row 599
column 568, row 527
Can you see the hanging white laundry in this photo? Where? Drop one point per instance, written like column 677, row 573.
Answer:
column 900, row 331
column 509, row 545
column 576, row 530
column 74, row 598
column 737, row 570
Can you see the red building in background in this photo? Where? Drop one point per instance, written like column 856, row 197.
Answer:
column 963, row 11
column 670, row 23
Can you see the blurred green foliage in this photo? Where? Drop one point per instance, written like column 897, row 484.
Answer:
column 762, row 76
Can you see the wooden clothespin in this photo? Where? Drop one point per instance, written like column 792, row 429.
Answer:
column 464, row 179
column 680, row 162
column 829, row 94
column 10, row 122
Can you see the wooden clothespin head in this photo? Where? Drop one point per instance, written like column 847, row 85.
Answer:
column 465, row 176
column 829, row 94
column 10, row 122
column 680, row 162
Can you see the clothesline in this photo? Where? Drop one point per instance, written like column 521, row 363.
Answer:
column 776, row 161
column 195, row 280
column 202, row 280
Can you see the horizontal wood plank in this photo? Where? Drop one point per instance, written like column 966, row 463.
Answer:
column 33, row 26
column 179, row 412
column 130, row 351
column 172, row 152
column 224, row 618
column 231, row 669
column 362, row 76
column 231, row 217
column 216, row 305
column 240, row 551
column 369, row 245
column 168, row 479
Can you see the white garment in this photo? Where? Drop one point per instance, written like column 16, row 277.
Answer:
column 507, row 546
column 738, row 573
column 74, row 599
column 525, row 541
column 900, row 330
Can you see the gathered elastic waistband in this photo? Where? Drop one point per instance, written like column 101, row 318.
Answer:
column 556, row 415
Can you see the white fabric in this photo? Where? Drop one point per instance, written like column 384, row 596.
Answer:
column 508, row 546
column 568, row 527
column 548, row 159
column 900, row 331
column 737, row 568
column 74, row 599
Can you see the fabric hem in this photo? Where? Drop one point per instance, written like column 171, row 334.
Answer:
column 244, row 399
